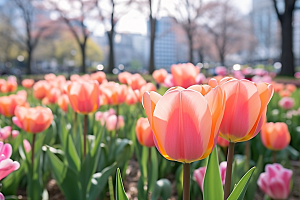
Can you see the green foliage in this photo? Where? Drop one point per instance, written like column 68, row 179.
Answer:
column 120, row 192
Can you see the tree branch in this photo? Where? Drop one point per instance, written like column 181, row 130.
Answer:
column 277, row 11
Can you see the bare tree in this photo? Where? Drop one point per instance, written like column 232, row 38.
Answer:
column 187, row 13
column 227, row 30
column 33, row 28
column 286, row 22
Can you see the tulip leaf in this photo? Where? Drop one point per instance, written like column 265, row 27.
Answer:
column 120, row 192
column 212, row 185
column 71, row 155
column 99, row 181
column 162, row 190
column 239, row 191
column 253, row 182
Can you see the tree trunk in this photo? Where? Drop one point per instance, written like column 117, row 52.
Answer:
column 222, row 59
column 190, row 37
column 83, row 57
column 287, row 55
column 29, row 52
column 152, row 42
column 111, row 61
column 200, row 54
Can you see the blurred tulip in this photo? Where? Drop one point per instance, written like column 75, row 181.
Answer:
column 222, row 142
column 63, row 102
column 285, row 93
column 297, row 75
column 136, row 81
column 86, row 77
column 98, row 76
column 26, row 145
column 6, row 164
column 84, row 96
column 115, row 93
column 238, row 75
column 144, row 133
column 262, row 79
column 53, row 94
column 145, row 88
column 275, row 136
column 200, row 79
column 40, row 89
column 22, row 94
column 183, row 118
column 2, row 196
column 45, row 101
column 5, row 132
column 33, row 120
column 277, row 86
column 2, row 82
column 10, row 86
column 221, row 71
column 131, row 97
column 184, row 75
column 245, row 109
column 27, row 83
column 160, row 75
column 111, row 122
column 9, row 103
column 169, row 81
column 286, row 103
column 275, row 182
column 75, row 77
column 50, row 77
column 200, row 173
column 15, row 133
column 260, row 72
column 291, row 87
column 124, row 77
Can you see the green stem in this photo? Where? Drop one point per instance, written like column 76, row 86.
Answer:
column 85, row 134
column 186, row 181
column 111, row 188
column 274, row 156
column 229, row 170
column 32, row 160
column 117, row 114
column 247, row 154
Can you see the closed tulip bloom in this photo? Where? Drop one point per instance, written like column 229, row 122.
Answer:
column 22, row 94
column 26, row 145
column 245, row 109
column 75, row 77
column 84, row 96
column 99, row 76
column 10, row 86
column 5, row 132
column 286, row 103
column 291, row 87
column 275, row 136
column 63, row 102
column 6, row 164
column 275, row 182
column 53, row 95
column 222, row 71
column 124, row 77
column 184, row 74
column 15, row 133
column 160, row 75
column 200, row 173
column 2, row 196
column 169, row 81
column 222, row 142
column 147, row 87
column 27, row 83
column 115, row 93
column 40, row 89
column 285, row 93
column 111, row 122
column 136, row 81
column 185, row 122
column 297, row 75
column 33, row 120
column 50, row 77
column 9, row 103
column 2, row 82
column 131, row 97
column 144, row 132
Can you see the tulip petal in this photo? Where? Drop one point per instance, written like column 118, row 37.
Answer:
column 150, row 100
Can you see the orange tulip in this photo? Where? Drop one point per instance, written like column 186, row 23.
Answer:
column 277, row 86
column 40, row 89
column 184, row 74
column 275, row 136
column 84, row 96
column 245, row 109
column 185, row 122
column 75, row 77
column 10, row 86
column 131, row 97
column 9, row 103
column 33, row 120
column 291, row 87
column 27, row 83
column 50, row 77
column 160, row 75
column 98, row 76
column 136, row 81
column 124, row 77
column 285, row 93
column 147, row 87
column 53, row 95
column 63, row 102
column 144, row 133
column 115, row 93
column 2, row 82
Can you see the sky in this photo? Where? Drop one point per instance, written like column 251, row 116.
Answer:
column 135, row 22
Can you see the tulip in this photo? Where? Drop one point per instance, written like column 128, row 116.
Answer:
column 99, row 76
column 147, row 87
column 50, row 77
column 260, row 72
column 136, row 81
column 26, row 145
column 10, row 86
column 291, row 87
column 115, row 93
column 286, row 103
column 277, row 86
column 75, row 77
column 1, row 196
column 111, row 122
column 144, row 133
column 53, row 94
column 63, row 102
column 40, row 89
column 6, row 164
column 169, row 81
column 200, row 78
column 2, row 82
column 84, row 96
column 199, row 174
column 275, row 182
column 124, row 77
column 45, row 101
column 5, row 132
column 275, row 136
column 27, row 83
column 297, row 75
column 9, row 103
column 15, row 133
column 222, row 71
column 160, row 75
column 184, row 74
column 131, row 97
column 222, row 142
column 285, row 93
column 22, row 94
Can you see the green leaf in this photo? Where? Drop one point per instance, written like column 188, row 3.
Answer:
column 239, row 191
column 153, row 169
column 212, row 185
column 253, row 182
column 120, row 192
column 99, row 181
column 162, row 190
column 11, row 183
column 71, row 155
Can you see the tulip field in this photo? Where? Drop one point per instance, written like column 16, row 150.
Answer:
column 180, row 135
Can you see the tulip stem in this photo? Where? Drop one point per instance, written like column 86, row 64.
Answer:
column 229, row 170
column 117, row 114
column 32, row 149
column 85, row 134
column 274, row 156
column 186, row 181
column 247, row 154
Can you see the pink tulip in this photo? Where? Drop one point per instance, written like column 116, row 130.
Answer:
column 26, row 145
column 200, row 173
column 200, row 78
column 275, row 182
column 15, row 133
column 5, row 132
column 222, row 142
column 286, row 103
column 222, row 71
column 1, row 196
column 297, row 75
column 112, row 120
column 6, row 164
column 169, row 81
column 185, row 74
column 238, row 75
